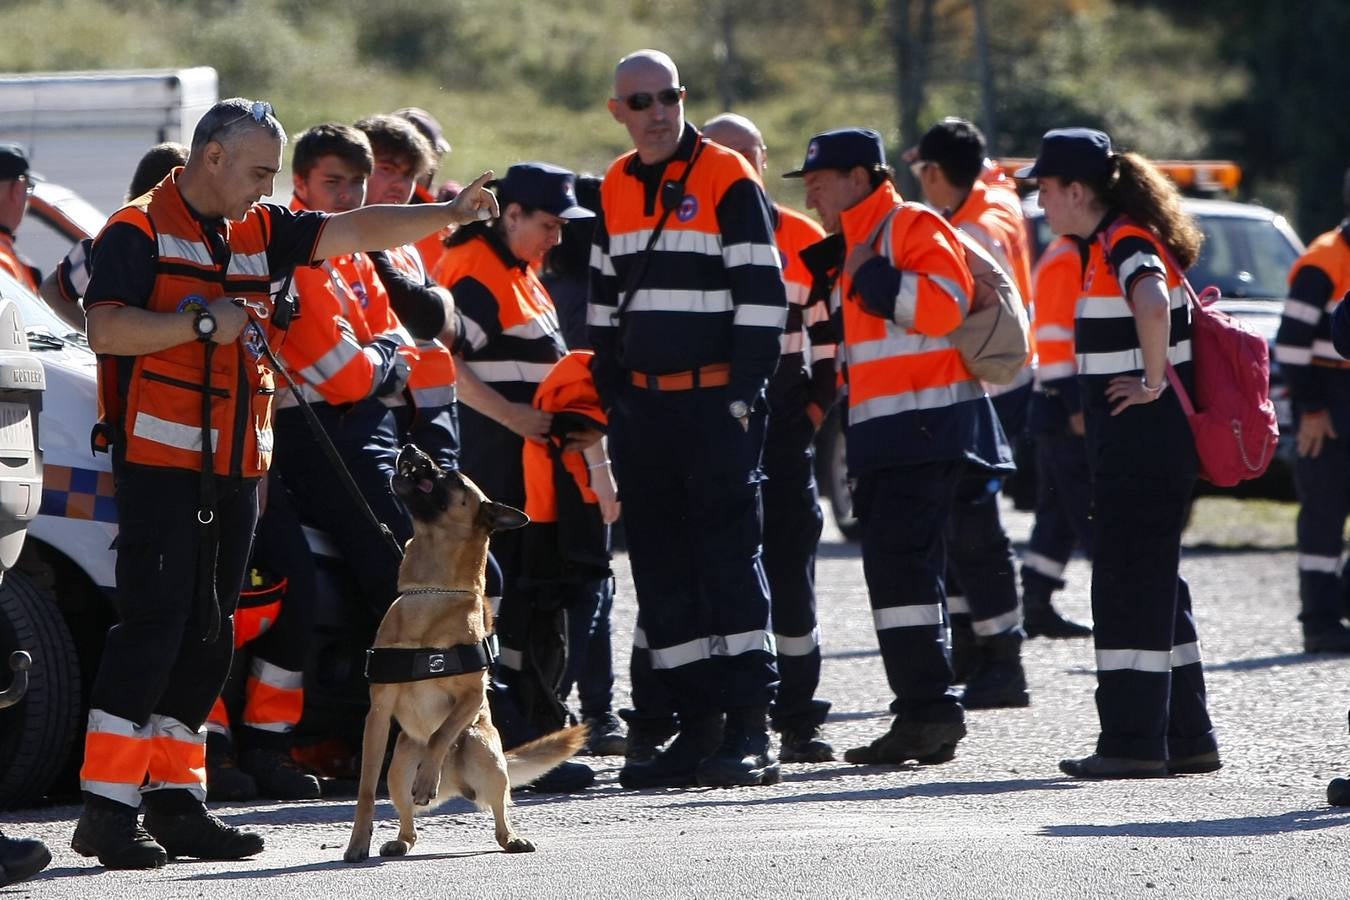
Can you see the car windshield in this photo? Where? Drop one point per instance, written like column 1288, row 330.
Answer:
column 45, row 329
column 1243, row 257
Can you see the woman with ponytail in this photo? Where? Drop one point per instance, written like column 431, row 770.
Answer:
column 1132, row 332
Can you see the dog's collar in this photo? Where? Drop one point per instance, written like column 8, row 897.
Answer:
column 439, row 591
column 397, row 665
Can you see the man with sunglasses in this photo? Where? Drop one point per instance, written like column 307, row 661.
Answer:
column 185, row 395
column 16, row 186
column 687, row 308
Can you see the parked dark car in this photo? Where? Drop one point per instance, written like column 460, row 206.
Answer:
column 1247, row 255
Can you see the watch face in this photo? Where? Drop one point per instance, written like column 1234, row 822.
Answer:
column 739, row 409
column 206, row 324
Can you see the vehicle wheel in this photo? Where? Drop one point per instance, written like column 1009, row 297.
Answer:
column 832, row 473
column 38, row 733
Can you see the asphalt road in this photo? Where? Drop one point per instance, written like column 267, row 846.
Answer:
column 998, row 821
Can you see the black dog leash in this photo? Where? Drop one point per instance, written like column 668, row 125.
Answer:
column 334, row 458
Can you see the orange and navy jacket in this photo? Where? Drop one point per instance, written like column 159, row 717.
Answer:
column 336, row 354
column 432, row 381
column 153, row 402
column 11, row 263
column 568, row 388
column 911, row 398
column 1057, row 285
column 1106, row 342
column 807, row 367
column 507, row 329
column 713, row 289
column 1317, row 284
column 993, row 217
column 432, row 246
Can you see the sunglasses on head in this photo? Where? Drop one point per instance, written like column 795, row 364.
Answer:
column 258, row 111
column 916, row 168
column 643, row 99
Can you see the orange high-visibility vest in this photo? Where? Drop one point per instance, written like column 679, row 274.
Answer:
column 432, row 380
column 568, row 388
column 1058, row 283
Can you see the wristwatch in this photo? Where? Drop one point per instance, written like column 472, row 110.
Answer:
column 739, row 409
column 204, row 324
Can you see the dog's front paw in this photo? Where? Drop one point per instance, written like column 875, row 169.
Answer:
column 356, row 854
column 394, row 848
column 517, row 844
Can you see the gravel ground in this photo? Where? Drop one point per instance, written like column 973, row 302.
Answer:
column 998, row 821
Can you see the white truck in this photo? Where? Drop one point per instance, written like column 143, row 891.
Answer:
column 87, row 130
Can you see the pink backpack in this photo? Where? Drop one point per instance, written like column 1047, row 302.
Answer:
column 1232, row 417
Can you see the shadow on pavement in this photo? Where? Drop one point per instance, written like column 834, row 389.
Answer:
column 1266, row 662
column 1244, row 826
column 335, row 864
column 934, row 789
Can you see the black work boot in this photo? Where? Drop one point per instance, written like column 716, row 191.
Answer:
column 201, row 835
column 743, row 758
column 963, row 655
column 927, row 743
column 1325, row 637
column 606, row 737
column 21, row 859
column 1041, row 619
column 278, row 775
column 225, row 781
column 998, row 679
column 677, row 765
column 646, row 735
column 804, row 744
column 110, row 830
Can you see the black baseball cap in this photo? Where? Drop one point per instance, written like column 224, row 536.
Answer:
column 1073, row 153
column 842, row 148
column 542, row 186
column 14, row 162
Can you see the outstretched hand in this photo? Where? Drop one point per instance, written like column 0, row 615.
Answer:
column 476, row 202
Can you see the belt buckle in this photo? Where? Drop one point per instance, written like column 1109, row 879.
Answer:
column 653, row 382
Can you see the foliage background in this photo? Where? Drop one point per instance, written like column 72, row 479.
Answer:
column 527, row 79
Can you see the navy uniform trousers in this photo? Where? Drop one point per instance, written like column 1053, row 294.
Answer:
column 903, row 512
column 688, row 476
column 1063, row 511
column 982, row 568
column 1150, row 682
column 1324, row 504
column 792, row 525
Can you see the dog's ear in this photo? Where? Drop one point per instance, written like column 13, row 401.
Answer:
column 500, row 517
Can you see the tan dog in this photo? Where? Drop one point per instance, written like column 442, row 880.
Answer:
column 448, row 744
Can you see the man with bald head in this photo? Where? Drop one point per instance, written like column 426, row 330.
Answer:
column 687, row 307
column 800, row 392
column 178, row 303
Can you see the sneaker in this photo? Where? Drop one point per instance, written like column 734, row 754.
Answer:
column 1111, row 767
column 109, row 830
column 225, row 781
column 927, row 743
column 804, row 745
column 606, row 736
column 568, row 778
column 21, row 859
column 279, row 776
column 201, row 835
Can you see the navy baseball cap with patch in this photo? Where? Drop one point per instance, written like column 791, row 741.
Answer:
column 14, row 162
column 542, row 186
column 1072, row 153
column 842, row 148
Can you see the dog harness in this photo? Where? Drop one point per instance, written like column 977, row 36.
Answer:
column 398, row 665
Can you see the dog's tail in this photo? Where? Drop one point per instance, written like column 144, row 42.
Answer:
column 542, row 755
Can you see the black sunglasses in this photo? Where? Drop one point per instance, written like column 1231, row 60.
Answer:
column 643, row 99
column 258, row 112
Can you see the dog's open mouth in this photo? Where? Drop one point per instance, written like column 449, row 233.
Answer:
column 420, row 483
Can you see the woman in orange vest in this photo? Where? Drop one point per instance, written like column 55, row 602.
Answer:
column 1132, row 333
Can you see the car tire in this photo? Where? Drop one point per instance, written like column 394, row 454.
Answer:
column 38, row 734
